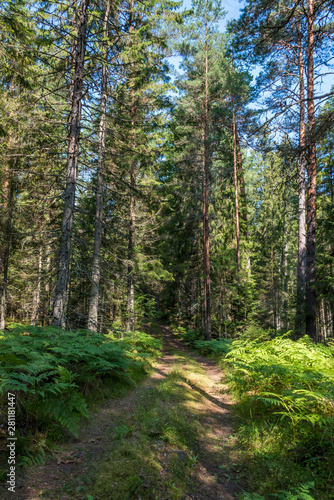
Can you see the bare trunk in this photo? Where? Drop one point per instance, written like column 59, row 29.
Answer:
column 9, row 205
column 311, row 328
column 59, row 305
column 131, row 246
column 48, row 298
column 236, row 195
column 329, row 319
column 301, row 269
column 273, row 293
column 206, row 255
column 37, row 291
column 96, row 271
column 244, row 214
column 286, row 282
column 323, row 325
column 7, row 235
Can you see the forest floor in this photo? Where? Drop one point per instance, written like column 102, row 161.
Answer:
column 169, row 437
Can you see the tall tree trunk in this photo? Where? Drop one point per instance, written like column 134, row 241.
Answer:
column 96, row 271
column 59, row 305
column 131, row 247
column 8, row 205
column 7, row 234
column 273, row 288
column 244, row 213
column 311, row 325
column 301, row 268
column 132, row 207
column 286, row 284
column 48, row 297
column 236, row 198
column 323, row 325
column 206, row 173
column 37, row 291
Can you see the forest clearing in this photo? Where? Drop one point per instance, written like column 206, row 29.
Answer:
column 167, row 249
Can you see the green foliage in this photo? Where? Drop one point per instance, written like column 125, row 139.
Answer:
column 50, row 370
column 30, row 459
column 255, row 332
column 214, row 346
column 285, row 390
column 121, row 431
column 189, row 336
column 282, row 366
column 285, row 399
column 299, row 493
column 141, row 344
column 194, row 338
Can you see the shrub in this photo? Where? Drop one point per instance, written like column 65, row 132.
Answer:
column 217, row 347
column 189, row 336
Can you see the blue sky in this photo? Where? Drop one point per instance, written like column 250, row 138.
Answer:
column 323, row 85
column 232, row 9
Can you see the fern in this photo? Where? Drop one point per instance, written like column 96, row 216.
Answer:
column 48, row 369
column 121, row 431
column 31, row 459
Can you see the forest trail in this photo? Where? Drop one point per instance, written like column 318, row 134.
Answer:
column 80, row 469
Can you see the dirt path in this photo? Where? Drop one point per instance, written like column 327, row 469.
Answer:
column 71, row 471
column 216, row 454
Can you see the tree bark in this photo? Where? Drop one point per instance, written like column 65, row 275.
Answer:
column 59, row 305
column 301, row 267
column 8, row 204
column 206, row 173
column 37, row 291
column 96, row 264
column 236, row 198
column 131, row 246
column 311, row 325
column 244, row 213
column 48, row 297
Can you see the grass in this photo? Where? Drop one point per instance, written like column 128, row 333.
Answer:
column 153, row 451
column 155, row 448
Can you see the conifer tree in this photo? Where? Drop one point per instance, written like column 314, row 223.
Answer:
column 59, row 306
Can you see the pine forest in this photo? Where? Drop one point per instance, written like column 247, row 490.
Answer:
column 167, row 249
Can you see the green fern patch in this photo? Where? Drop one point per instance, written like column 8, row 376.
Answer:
column 50, row 371
column 285, row 393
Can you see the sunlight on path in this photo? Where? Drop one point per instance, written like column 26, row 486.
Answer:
column 172, row 434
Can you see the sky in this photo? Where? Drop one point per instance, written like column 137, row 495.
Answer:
column 233, row 8
column 233, row 11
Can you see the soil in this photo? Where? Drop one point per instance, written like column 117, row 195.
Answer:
column 216, row 475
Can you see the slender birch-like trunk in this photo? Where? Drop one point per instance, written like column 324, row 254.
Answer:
column 96, row 264
column 301, row 267
column 131, row 247
column 59, row 305
column 37, row 291
column 311, row 299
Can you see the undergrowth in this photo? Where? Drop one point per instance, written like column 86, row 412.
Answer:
column 53, row 374
column 285, row 403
